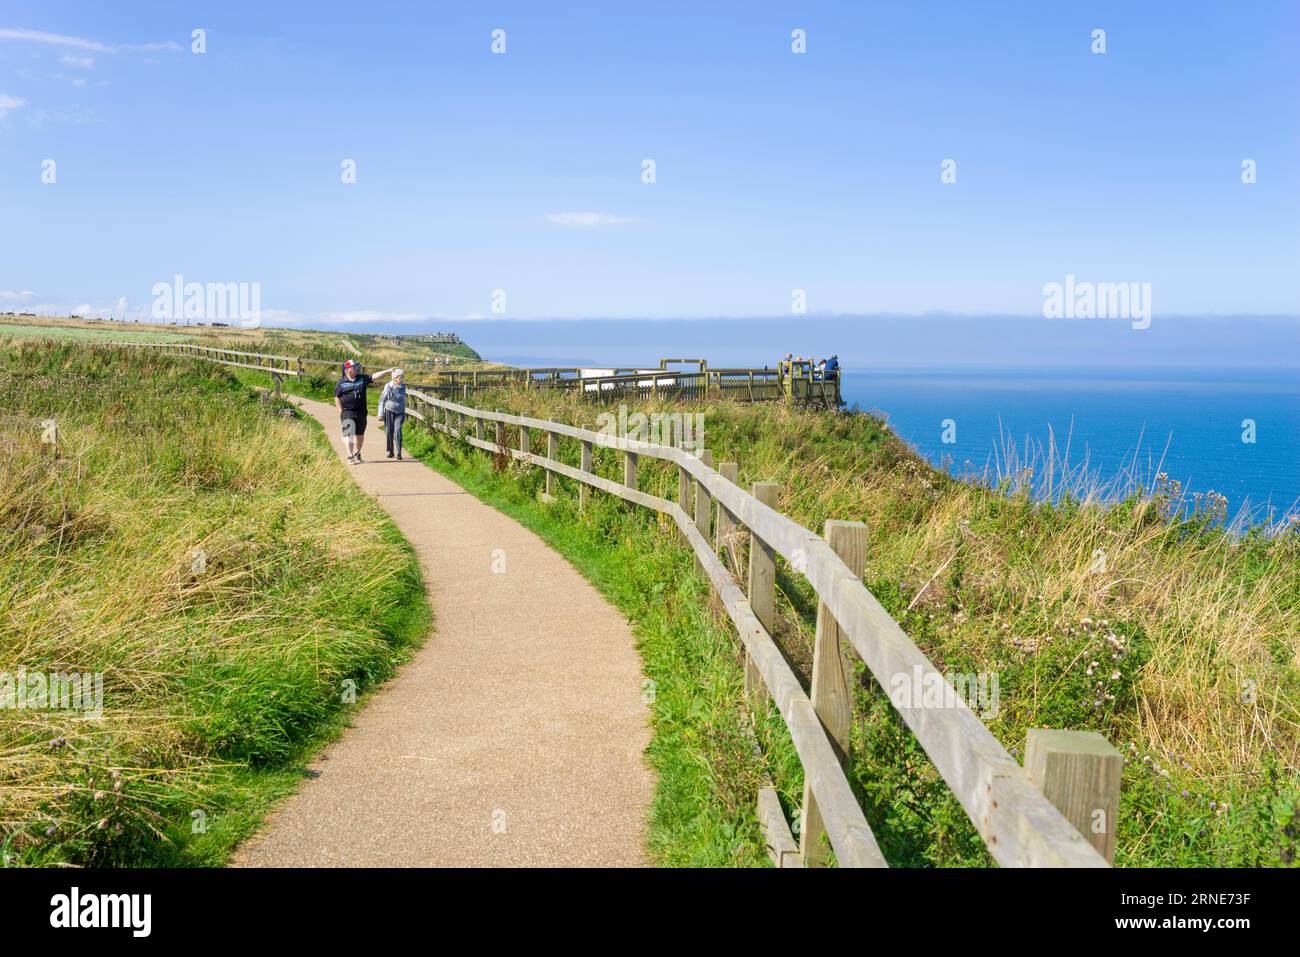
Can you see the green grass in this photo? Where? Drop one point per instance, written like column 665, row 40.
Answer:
column 1182, row 650
column 221, row 678
column 15, row 331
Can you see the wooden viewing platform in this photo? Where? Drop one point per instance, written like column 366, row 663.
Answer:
column 796, row 382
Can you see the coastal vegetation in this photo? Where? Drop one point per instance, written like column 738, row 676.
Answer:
column 1104, row 609
column 206, row 557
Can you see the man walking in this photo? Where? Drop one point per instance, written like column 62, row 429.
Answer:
column 350, row 400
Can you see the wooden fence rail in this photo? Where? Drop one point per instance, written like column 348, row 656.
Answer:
column 1020, row 826
column 1033, row 816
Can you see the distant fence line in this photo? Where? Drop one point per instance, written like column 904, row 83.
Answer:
column 790, row 381
column 1059, row 810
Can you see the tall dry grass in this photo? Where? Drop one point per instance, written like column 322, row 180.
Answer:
column 183, row 541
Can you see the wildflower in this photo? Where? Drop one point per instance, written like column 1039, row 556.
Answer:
column 1185, row 793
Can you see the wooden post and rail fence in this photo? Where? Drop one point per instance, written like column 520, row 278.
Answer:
column 796, row 383
column 1059, row 810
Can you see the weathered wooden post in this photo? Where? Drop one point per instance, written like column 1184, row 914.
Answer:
column 584, row 490
column 1079, row 772
column 525, row 439
column 629, row 471
column 830, row 695
column 683, row 494
column 552, row 453
column 726, row 531
column 703, row 507
column 762, row 594
column 478, row 428
column 501, row 436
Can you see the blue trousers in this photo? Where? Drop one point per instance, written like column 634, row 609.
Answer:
column 393, row 422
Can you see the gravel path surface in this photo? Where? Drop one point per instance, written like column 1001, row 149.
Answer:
column 515, row 737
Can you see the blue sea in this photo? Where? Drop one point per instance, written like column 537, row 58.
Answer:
column 1188, row 425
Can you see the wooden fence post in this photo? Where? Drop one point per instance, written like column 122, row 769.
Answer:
column 552, row 453
column 726, row 531
column 703, row 508
column 525, row 439
column 629, row 471
column 684, row 496
column 501, row 436
column 762, row 594
column 830, row 685
column 584, row 490
column 1079, row 772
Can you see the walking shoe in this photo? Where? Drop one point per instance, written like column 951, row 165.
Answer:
column 399, row 456
column 390, row 455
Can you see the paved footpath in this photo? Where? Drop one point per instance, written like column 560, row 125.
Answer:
column 515, row 736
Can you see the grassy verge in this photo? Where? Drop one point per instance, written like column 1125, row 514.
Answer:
column 212, row 561
column 707, row 772
column 1171, row 636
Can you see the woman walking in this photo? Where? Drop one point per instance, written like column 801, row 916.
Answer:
column 392, row 406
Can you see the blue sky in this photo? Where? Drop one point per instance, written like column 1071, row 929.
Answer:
column 774, row 171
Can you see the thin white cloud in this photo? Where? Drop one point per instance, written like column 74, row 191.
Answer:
column 39, row 36
column 82, row 43
column 586, row 219
column 80, row 62
column 8, row 103
column 20, row 296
